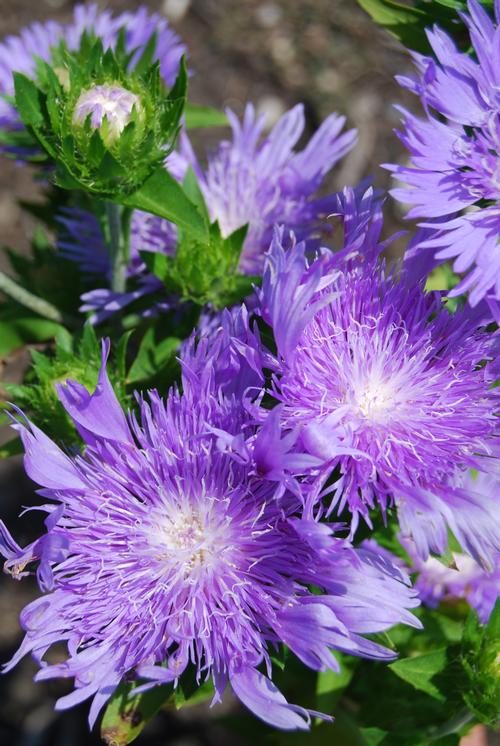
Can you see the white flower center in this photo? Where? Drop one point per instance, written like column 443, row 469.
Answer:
column 186, row 540
column 374, row 398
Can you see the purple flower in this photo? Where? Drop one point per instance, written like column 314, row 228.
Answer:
column 453, row 178
column 164, row 549
column 388, row 388
column 263, row 182
column 19, row 53
column 465, row 578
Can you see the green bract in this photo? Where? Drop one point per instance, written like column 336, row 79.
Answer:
column 106, row 127
column 203, row 270
column 70, row 359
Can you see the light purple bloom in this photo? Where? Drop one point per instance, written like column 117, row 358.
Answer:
column 19, row 53
column 266, row 181
column 453, row 180
column 386, row 386
column 111, row 103
column 164, row 549
column 465, row 578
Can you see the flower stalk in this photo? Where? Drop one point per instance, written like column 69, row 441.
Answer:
column 34, row 303
column 118, row 219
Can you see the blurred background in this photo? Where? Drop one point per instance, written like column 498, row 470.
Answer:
column 327, row 54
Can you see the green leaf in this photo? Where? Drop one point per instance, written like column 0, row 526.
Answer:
column 373, row 736
column 157, row 263
column 126, row 716
column 421, row 669
column 193, row 191
column 10, row 339
column 152, row 357
column 179, row 88
column 121, row 355
column 481, row 663
column 25, row 330
column 407, row 24
column 27, row 97
column 197, row 117
column 162, row 195
column 236, row 240
column 184, row 696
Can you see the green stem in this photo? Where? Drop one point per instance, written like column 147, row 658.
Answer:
column 34, row 303
column 452, row 726
column 118, row 230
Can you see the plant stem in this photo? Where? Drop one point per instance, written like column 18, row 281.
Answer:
column 33, row 302
column 118, row 229
column 452, row 726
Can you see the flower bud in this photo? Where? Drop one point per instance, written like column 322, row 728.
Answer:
column 111, row 102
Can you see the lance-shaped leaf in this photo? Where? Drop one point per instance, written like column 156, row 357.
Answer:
column 28, row 101
column 198, row 117
column 153, row 356
column 421, row 671
column 481, row 662
column 162, row 195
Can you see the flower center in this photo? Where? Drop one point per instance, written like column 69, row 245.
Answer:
column 106, row 101
column 375, row 399
column 185, row 541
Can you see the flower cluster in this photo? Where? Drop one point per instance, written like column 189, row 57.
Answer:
column 384, row 387
column 245, row 183
column 164, row 547
column 281, row 405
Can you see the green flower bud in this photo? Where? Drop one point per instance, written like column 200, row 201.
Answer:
column 106, row 125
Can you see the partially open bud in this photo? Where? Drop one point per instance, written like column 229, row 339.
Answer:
column 108, row 125
column 107, row 102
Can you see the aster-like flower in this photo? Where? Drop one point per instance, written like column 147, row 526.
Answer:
column 453, row 180
column 464, row 578
column 388, row 388
column 164, row 549
column 265, row 181
column 19, row 53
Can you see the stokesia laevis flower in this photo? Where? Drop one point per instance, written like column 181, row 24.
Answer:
column 164, row 549
column 453, row 180
column 263, row 182
column 388, row 388
column 464, row 578
column 20, row 53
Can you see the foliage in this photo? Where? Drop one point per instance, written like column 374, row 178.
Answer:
column 75, row 358
column 408, row 22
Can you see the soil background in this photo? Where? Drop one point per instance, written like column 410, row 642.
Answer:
column 327, row 54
